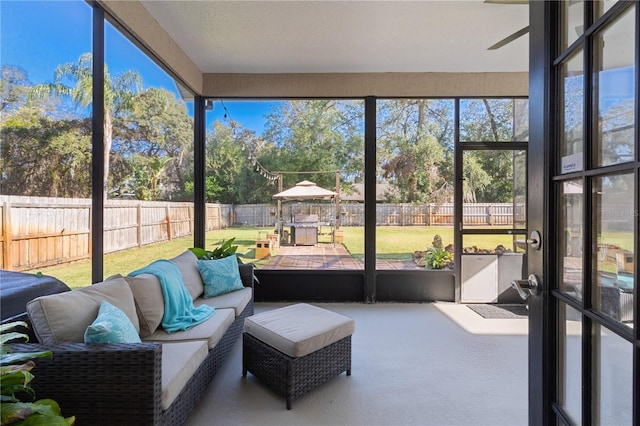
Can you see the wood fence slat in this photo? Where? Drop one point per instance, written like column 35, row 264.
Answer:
column 7, row 233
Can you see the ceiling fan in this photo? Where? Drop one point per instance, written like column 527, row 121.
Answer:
column 579, row 28
column 513, row 36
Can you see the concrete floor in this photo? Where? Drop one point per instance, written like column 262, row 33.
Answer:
column 412, row 364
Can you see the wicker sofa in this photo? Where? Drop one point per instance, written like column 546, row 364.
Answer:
column 156, row 382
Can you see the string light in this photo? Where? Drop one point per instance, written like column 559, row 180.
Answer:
column 262, row 170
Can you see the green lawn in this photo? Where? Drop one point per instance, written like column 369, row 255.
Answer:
column 396, row 242
column 392, row 242
column 399, row 242
column 78, row 274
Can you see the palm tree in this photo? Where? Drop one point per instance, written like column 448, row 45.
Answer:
column 119, row 94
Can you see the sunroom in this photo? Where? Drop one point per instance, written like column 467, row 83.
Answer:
column 484, row 120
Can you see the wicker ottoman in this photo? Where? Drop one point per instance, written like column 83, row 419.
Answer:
column 296, row 348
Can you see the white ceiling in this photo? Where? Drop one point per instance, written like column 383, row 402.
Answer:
column 345, row 36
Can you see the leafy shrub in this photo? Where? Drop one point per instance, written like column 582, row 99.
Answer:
column 437, row 258
column 15, row 376
column 226, row 249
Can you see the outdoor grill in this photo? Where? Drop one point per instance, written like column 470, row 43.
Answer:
column 304, row 229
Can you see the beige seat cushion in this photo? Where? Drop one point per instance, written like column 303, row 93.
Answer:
column 64, row 317
column 210, row 331
column 236, row 300
column 187, row 262
column 297, row 330
column 180, row 361
column 147, row 294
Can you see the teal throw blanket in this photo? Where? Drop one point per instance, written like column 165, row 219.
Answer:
column 179, row 312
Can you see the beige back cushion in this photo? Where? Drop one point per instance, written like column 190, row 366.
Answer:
column 187, row 262
column 149, row 300
column 64, row 317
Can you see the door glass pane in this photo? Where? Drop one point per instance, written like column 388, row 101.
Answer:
column 521, row 120
column 613, row 385
column 570, row 362
column 572, row 119
column 520, row 189
column 614, row 80
column 571, row 238
column 494, row 120
column 614, row 217
column 601, row 7
column 494, row 189
column 573, row 21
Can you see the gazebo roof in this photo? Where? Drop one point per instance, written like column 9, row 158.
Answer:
column 305, row 190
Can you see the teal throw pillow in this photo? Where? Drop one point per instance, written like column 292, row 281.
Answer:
column 111, row 326
column 220, row 276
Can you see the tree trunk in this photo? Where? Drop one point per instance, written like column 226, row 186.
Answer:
column 421, row 116
column 107, row 140
column 492, row 119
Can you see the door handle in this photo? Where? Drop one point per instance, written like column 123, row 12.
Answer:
column 535, row 240
column 527, row 287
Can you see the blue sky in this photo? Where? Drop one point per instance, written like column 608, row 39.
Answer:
column 251, row 114
column 30, row 40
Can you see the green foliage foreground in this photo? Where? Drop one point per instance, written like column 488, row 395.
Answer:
column 15, row 379
column 225, row 249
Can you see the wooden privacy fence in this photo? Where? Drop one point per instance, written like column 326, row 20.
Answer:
column 352, row 214
column 41, row 231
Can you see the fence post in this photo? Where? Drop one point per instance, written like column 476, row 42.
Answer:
column 168, row 219
column 6, row 233
column 139, row 220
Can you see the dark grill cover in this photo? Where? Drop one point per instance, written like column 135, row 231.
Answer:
column 18, row 288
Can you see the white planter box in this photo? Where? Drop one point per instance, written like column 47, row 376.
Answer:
column 487, row 276
column 479, row 278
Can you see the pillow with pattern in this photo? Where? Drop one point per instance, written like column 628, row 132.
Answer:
column 111, row 326
column 220, row 276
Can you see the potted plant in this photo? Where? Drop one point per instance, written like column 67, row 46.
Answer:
column 15, row 376
column 437, row 258
column 224, row 250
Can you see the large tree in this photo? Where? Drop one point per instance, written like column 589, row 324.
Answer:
column 316, row 136
column 153, row 147
column 75, row 81
column 232, row 155
column 40, row 156
column 300, row 136
column 415, row 149
column 489, row 174
column 41, row 152
column 13, row 90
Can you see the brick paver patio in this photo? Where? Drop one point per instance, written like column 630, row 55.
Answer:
column 327, row 257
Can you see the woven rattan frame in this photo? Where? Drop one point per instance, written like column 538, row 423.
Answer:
column 293, row 377
column 121, row 384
